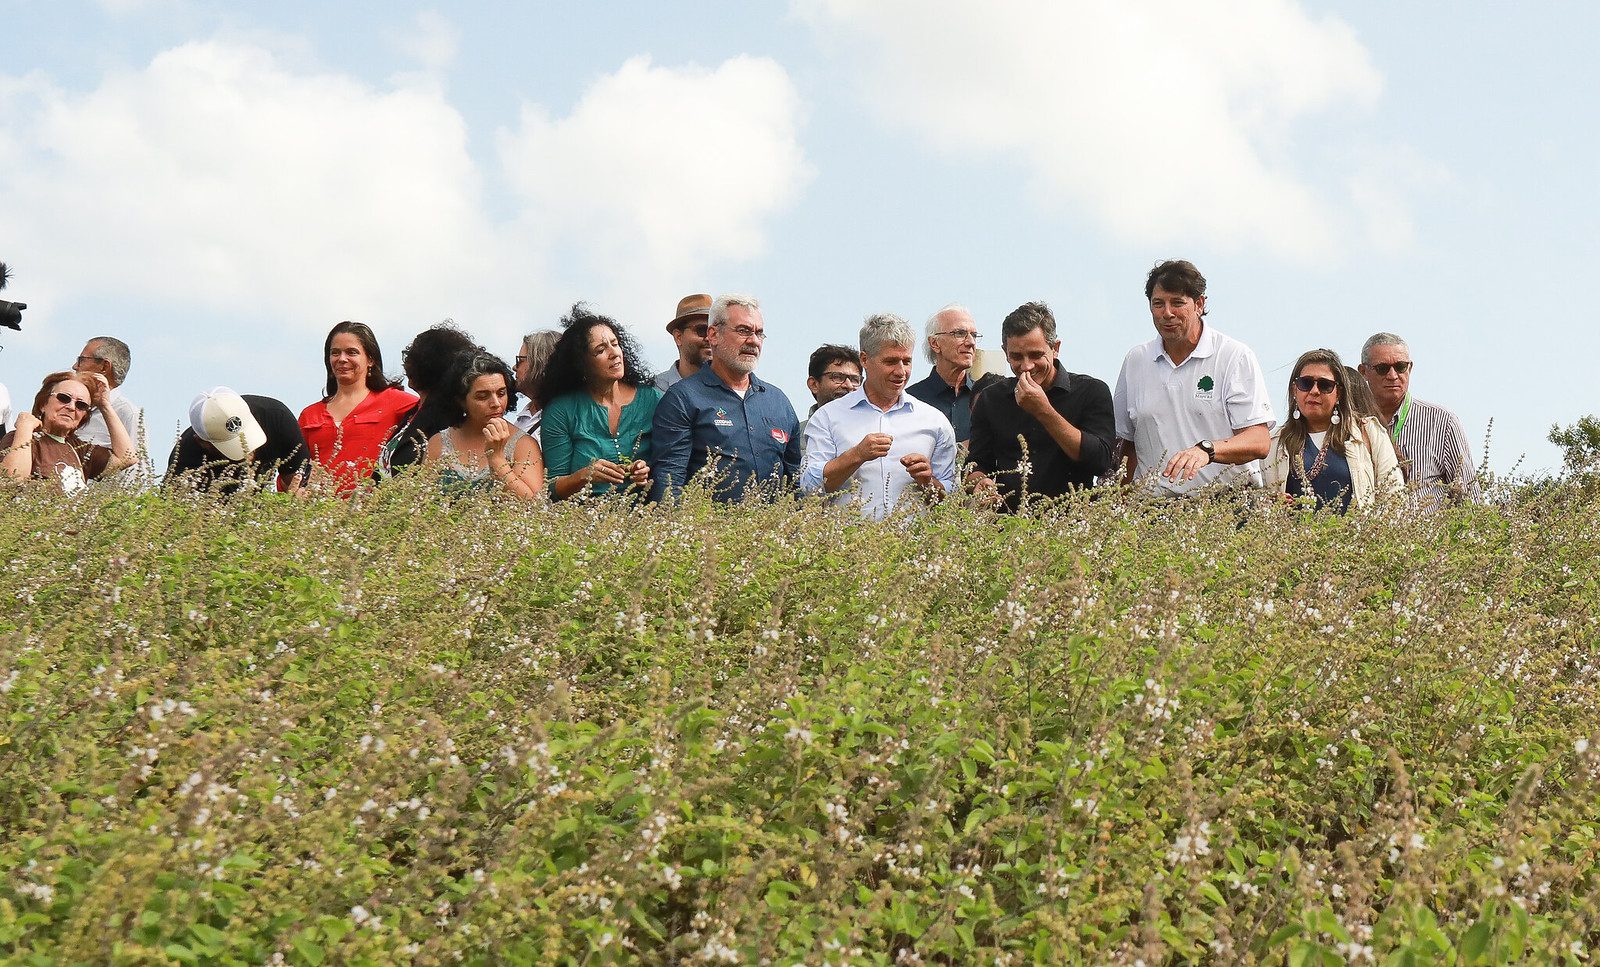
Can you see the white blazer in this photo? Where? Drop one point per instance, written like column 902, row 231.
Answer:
column 1374, row 467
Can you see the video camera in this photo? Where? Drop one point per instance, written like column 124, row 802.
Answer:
column 10, row 312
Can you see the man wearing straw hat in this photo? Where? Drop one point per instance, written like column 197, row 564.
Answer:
column 688, row 330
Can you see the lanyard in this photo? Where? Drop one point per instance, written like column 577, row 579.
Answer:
column 1400, row 419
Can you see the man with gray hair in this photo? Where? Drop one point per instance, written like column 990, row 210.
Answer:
column 107, row 359
column 722, row 420
column 952, row 348
column 880, row 440
column 531, row 360
column 1428, row 438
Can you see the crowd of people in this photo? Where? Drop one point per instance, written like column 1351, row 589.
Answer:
column 1190, row 413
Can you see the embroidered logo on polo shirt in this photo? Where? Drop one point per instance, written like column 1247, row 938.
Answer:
column 1205, row 389
column 722, row 418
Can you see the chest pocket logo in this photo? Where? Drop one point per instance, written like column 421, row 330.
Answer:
column 1205, row 389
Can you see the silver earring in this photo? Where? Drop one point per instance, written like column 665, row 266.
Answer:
column 1297, row 412
column 1335, row 418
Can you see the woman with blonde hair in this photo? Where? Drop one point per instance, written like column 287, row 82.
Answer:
column 1326, row 452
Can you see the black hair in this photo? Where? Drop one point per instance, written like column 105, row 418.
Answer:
column 568, row 368
column 1178, row 277
column 427, row 360
column 828, row 354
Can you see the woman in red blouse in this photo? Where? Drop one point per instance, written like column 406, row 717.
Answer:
column 346, row 429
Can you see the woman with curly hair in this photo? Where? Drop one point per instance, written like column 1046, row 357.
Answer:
column 479, row 450
column 359, row 411
column 426, row 362
column 598, row 404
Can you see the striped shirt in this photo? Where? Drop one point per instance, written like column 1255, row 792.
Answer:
column 1433, row 452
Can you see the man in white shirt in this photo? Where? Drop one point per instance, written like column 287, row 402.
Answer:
column 876, row 442
column 1191, row 405
column 109, row 357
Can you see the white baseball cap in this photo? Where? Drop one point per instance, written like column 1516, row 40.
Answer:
column 223, row 419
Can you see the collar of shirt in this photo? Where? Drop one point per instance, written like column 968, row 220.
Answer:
column 1207, row 346
column 857, row 399
column 708, row 376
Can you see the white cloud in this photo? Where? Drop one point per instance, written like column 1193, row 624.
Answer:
column 658, row 171
column 1165, row 121
column 432, row 41
column 224, row 178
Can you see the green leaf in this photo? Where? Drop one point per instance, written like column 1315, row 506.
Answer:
column 308, row 951
column 178, row 951
column 1475, row 941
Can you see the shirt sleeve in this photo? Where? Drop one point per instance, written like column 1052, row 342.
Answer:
column 943, row 459
column 671, row 438
column 1248, row 402
column 1122, row 419
column 1097, row 424
column 820, row 448
column 555, row 433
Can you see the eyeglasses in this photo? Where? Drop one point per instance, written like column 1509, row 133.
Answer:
column 962, row 335
column 1306, row 383
column 69, row 398
column 748, row 333
column 844, row 379
column 699, row 329
column 86, row 359
column 1402, row 367
column 521, row 360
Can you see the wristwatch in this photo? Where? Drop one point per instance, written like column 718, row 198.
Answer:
column 1210, row 450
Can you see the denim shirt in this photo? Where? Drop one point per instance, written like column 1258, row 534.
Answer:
column 756, row 437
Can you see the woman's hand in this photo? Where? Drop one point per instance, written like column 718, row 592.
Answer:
column 495, row 434
column 605, row 472
column 98, row 388
column 27, row 423
column 639, row 473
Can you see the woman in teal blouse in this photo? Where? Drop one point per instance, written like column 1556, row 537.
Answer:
column 598, row 406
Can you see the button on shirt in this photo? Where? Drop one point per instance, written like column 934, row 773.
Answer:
column 1164, row 408
column 877, row 484
column 755, row 437
column 939, row 394
column 998, row 419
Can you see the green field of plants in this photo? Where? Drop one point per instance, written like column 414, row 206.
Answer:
column 409, row 731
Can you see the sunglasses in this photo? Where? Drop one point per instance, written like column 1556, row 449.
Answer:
column 1382, row 369
column 82, row 407
column 1305, row 384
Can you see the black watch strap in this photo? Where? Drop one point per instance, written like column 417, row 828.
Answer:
column 1210, row 450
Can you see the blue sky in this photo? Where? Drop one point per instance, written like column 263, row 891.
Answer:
column 220, row 183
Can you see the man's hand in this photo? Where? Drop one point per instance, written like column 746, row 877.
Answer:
column 873, row 446
column 1185, row 464
column 985, row 489
column 921, row 470
column 1030, row 394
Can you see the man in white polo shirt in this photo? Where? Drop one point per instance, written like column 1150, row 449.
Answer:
column 879, row 439
column 1191, row 405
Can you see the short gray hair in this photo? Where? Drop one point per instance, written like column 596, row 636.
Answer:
column 933, row 327
column 722, row 303
column 1381, row 339
column 112, row 350
column 885, row 329
column 537, row 346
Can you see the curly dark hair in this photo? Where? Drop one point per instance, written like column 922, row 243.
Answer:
column 376, row 381
column 568, row 368
column 427, row 360
column 450, row 402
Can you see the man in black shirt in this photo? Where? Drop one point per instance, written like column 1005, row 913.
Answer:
column 952, row 348
column 1065, row 418
column 238, row 439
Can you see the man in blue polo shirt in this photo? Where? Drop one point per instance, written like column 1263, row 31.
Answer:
column 742, row 431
